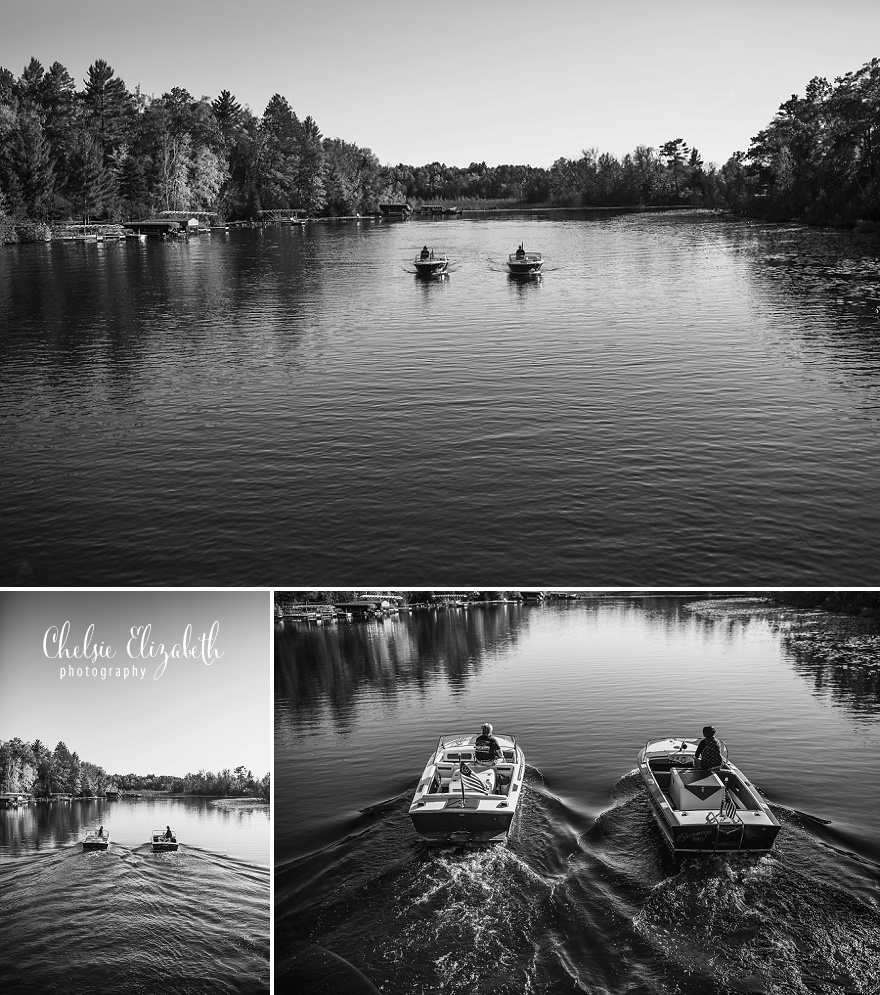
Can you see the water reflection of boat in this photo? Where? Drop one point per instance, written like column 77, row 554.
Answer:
column 460, row 800
column 95, row 839
column 524, row 263
column 429, row 263
column 702, row 811
column 161, row 842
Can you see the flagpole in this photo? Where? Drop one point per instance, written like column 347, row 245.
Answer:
column 461, row 778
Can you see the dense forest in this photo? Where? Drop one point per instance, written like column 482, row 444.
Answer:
column 108, row 152
column 33, row 768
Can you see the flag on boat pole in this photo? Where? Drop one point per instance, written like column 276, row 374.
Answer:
column 469, row 778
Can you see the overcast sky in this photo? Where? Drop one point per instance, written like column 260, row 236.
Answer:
column 195, row 715
column 500, row 81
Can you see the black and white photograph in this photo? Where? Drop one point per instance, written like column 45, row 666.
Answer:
column 505, row 791
column 465, row 419
column 571, row 292
column 135, row 786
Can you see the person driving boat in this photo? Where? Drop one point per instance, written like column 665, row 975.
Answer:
column 487, row 752
column 708, row 752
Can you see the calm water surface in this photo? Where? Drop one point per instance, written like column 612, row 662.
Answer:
column 130, row 920
column 585, row 896
column 681, row 397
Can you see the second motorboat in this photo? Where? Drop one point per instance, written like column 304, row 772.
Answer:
column 431, row 263
column 96, row 839
column 701, row 811
column 461, row 800
column 163, row 841
column 522, row 263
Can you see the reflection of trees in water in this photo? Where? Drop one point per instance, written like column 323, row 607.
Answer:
column 321, row 667
column 837, row 655
column 840, row 659
column 831, row 277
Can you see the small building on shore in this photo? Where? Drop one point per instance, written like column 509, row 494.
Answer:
column 396, row 210
column 156, row 228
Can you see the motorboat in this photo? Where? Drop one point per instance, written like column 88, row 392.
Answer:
column 430, row 263
column 161, row 842
column 522, row 263
column 96, row 839
column 704, row 811
column 461, row 800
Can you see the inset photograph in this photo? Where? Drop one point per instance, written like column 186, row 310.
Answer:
column 135, row 760
column 611, row 792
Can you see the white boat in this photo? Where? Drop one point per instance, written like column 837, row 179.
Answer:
column 700, row 811
column 524, row 263
column 161, row 842
column 95, row 839
column 430, row 263
column 460, row 800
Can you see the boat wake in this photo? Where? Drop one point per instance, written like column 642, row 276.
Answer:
column 575, row 902
column 186, row 922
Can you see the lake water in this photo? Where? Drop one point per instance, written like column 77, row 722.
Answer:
column 681, row 397
column 585, row 895
column 128, row 919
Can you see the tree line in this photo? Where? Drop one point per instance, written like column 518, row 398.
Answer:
column 108, row 152
column 818, row 160
column 32, row 768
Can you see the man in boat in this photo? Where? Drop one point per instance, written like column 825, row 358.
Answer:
column 521, row 252
column 101, row 833
column 487, row 752
column 168, row 834
column 486, row 748
column 708, row 754
column 425, row 253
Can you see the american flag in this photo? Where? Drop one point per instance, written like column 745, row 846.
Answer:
column 728, row 808
column 470, row 780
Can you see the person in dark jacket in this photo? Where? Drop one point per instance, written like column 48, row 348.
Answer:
column 486, row 748
column 708, row 754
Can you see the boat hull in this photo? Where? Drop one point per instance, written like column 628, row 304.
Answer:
column 457, row 825
column 96, row 846
column 714, row 839
column 433, row 267
column 524, row 269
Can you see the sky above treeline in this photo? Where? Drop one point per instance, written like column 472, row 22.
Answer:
column 134, row 711
column 500, row 81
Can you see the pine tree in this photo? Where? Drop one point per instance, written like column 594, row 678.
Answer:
column 228, row 113
column 108, row 105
